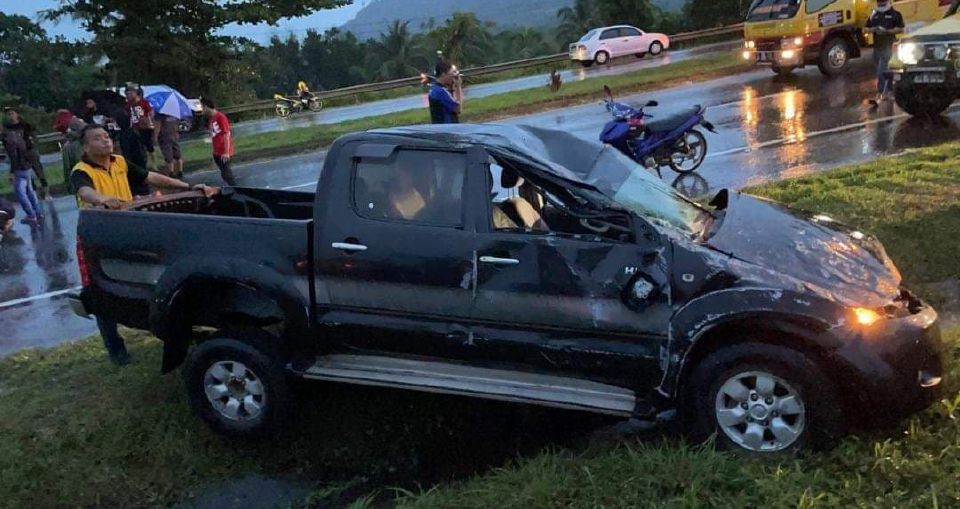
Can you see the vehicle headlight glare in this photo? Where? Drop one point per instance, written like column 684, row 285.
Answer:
column 865, row 316
column 788, row 54
column 909, row 53
column 751, row 44
column 798, row 41
column 746, row 55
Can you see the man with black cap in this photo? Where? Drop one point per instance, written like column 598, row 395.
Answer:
column 444, row 105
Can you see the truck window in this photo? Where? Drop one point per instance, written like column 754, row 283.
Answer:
column 816, row 5
column 764, row 10
column 417, row 186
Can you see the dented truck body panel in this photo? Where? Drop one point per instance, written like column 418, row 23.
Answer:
column 632, row 309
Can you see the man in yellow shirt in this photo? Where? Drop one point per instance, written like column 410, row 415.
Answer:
column 101, row 180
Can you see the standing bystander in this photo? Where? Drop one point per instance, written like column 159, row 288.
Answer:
column 101, row 180
column 446, row 95
column 885, row 22
column 72, row 149
column 14, row 122
column 141, row 120
column 168, row 128
column 222, row 140
column 16, row 148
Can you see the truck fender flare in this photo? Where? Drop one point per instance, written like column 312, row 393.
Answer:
column 175, row 281
column 800, row 315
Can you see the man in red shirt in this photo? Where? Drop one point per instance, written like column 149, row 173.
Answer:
column 222, row 140
column 141, row 119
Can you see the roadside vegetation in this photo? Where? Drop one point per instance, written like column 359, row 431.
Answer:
column 76, row 431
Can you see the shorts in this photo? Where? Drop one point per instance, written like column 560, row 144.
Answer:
column 146, row 139
column 170, row 146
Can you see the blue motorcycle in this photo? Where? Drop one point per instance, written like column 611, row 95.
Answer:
column 671, row 141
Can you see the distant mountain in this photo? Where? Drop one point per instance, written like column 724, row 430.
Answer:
column 374, row 18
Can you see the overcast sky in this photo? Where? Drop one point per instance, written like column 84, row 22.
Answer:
column 320, row 21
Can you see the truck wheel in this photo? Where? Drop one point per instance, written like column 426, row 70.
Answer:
column 922, row 101
column 834, row 57
column 761, row 399
column 235, row 386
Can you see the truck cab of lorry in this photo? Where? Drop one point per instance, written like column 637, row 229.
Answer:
column 926, row 70
column 791, row 34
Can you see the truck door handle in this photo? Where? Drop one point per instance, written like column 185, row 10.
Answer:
column 493, row 260
column 346, row 246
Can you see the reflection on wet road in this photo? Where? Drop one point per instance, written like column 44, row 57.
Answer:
column 768, row 129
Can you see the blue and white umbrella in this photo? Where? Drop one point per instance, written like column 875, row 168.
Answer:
column 168, row 101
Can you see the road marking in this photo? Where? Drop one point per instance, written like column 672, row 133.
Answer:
column 48, row 295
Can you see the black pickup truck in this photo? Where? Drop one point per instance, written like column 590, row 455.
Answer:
column 524, row 265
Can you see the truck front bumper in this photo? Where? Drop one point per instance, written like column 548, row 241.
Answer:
column 925, row 75
column 779, row 58
column 896, row 367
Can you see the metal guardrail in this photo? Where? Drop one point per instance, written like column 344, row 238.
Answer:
column 476, row 71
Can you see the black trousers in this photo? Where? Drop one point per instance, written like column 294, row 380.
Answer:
column 225, row 172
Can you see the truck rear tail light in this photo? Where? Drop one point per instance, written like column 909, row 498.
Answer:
column 82, row 265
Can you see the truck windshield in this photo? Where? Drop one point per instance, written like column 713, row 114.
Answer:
column 763, row 10
column 639, row 191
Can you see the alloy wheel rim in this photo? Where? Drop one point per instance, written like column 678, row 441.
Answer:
column 838, row 56
column 234, row 390
column 760, row 412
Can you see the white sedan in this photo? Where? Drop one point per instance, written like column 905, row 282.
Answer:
column 602, row 44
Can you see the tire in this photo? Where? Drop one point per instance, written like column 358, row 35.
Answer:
column 656, row 47
column 602, row 57
column 926, row 101
column 834, row 57
column 783, row 71
column 235, row 385
column 802, row 405
column 315, row 104
column 692, row 140
column 283, row 111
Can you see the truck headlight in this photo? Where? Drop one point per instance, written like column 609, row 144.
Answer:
column 746, row 55
column 750, row 44
column 910, row 53
column 788, row 54
column 792, row 42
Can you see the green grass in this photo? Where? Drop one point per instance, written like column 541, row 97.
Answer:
column 76, row 431
column 197, row 155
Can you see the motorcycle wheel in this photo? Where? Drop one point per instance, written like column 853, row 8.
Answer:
column 688, row 152
column 315, row 105
column 283, row 111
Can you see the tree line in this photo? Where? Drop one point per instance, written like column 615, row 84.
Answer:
column 176, row 42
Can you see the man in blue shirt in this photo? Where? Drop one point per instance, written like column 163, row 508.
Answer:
column 444, row 105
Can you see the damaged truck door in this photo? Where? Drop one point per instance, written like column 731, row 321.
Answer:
column 397, row 267
column 568, row 299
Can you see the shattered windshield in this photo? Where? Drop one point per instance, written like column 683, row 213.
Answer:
column 764, row 10
column 639, row 191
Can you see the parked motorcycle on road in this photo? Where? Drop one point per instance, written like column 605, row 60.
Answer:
column 285, row 106
column 672, row 141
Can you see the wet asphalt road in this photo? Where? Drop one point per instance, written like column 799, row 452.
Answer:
column 768, row 129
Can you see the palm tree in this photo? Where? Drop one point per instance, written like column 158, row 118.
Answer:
column 521, row 43
column 576, row 20
column 396, row 53
column 465, row 40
